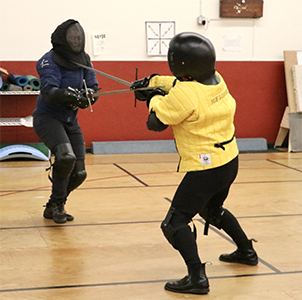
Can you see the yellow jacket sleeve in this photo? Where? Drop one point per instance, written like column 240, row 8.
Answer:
column 175, row 107
column 167, row 81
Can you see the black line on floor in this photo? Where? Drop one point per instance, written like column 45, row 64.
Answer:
column 269, row 181
column 283, row 165
column 81, row 225
column 255, row 217
column 137, row 282
column 135, row 187
column 69, row 224
column 133, row 176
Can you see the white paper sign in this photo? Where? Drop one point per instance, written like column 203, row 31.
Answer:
column 99, row 43
column 232, row 43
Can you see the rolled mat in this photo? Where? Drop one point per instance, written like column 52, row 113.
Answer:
column 14, row 87
column 18, row 79
column 27, row 87
column 5, row 86
column 34, row 82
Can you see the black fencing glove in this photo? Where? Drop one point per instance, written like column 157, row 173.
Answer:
column 142, row 83
column 152, row 93
column 76, row 99
column 66, row 97
column 89, row 94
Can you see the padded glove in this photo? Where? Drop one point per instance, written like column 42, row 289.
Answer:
column 147, row 95
column 69, row 97
column 152, row 93
column 74, row 99
column 141, row 83
column 90, row 92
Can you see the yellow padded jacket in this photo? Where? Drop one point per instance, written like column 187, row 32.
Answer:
column 201, row 116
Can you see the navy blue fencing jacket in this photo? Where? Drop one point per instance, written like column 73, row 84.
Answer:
column 54, row 75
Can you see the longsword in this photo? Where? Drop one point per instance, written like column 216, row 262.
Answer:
column 126, row 91
column 122, row 81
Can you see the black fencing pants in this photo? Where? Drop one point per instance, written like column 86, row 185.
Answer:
column 54, row 132
column 198, row 190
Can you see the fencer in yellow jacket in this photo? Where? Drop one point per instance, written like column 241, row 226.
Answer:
column 196, row 103
column 201, row 117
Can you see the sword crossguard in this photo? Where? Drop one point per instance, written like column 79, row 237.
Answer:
column 136, row 77
column 88, row 95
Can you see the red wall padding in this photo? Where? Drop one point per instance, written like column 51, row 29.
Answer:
column 258, row 87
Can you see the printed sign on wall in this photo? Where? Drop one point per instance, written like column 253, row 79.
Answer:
column 99, row 43
column 158, row 35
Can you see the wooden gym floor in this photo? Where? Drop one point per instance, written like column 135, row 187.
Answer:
column 114, row 249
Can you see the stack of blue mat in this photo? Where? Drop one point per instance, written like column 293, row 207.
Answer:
column 17, row 82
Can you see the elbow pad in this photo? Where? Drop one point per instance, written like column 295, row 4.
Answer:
column 155, row 124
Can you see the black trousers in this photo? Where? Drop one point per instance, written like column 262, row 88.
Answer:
column 202, row 189
column 54, row 132
column 197, row 191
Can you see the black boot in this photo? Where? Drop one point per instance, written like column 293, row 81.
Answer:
column 243, row 255
column 196, row 282
column 56, row 212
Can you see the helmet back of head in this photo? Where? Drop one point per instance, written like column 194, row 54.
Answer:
column 191, row 56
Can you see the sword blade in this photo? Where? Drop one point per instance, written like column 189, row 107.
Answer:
column 122, row 81
column 126, row 91
column 111, row 93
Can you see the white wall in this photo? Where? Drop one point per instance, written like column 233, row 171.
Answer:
column 26, row 26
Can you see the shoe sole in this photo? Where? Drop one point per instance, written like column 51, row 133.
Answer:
column 71, row 218
column 252, row 263
column 59, row 221
column 191, row 291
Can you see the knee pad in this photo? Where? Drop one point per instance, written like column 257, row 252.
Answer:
column 212, row 216
column 64, row 159
column 173, row 222
column 77, row 176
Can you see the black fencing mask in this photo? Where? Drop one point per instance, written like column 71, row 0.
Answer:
column 191, row 56
column 68, row 41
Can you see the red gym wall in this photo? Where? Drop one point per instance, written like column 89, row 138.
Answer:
column 258, row 87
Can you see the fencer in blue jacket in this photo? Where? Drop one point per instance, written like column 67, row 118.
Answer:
column 55, row 116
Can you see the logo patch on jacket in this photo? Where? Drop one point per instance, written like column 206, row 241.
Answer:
column 44, row 63
column 205, row 159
